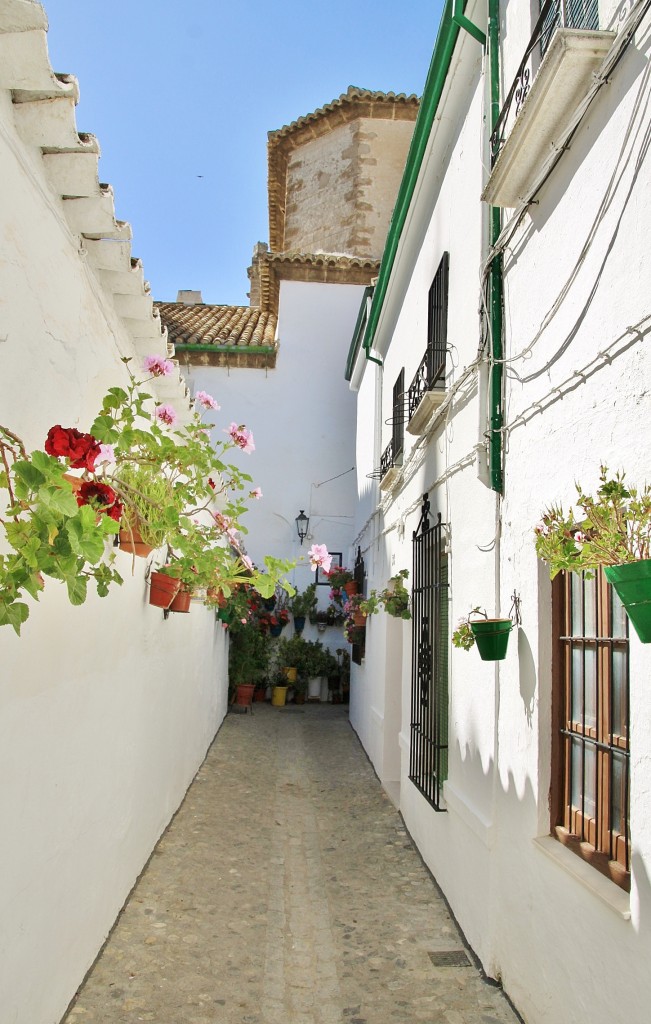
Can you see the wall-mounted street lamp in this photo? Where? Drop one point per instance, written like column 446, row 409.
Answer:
column 302, row 523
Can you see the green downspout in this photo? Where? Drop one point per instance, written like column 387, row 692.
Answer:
column 495, row 292
column 438, row 72
column 459, row 19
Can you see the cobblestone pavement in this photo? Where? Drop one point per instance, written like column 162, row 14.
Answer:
column 286, row 891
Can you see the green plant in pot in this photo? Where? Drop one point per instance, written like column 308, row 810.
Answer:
column 611, row 530
column 302, row 605
column 248, row 660
column 394, row 599
column 490, row 635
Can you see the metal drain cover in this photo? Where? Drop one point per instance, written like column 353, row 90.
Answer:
column 449, row 958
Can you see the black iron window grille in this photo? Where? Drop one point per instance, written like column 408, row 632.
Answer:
column 359, row 575
column 553, row 14
column 431, row 372
column 428, row 756
column 392, row 454
column 591, row 773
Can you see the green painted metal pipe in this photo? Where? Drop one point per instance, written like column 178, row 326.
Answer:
column 438, row 71
column 460, row 19
column 496, row 284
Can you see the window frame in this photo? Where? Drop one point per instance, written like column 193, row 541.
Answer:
column 591, row 836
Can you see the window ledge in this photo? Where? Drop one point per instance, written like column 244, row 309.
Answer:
column 428, row 405
column 596, row 883
column 391, row 479
column 563, row 79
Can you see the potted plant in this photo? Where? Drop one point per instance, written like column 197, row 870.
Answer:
column 303, row 604
column 394, row 599
column 248, row 660
column 611, row 530
column 490, row 635
column 340, row 578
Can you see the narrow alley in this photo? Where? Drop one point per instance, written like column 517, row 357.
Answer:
column 286, row 891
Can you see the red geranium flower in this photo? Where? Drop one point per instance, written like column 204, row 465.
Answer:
column 100, row 497
column 70, row 443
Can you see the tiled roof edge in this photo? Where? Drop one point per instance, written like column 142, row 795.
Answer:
column 44, row 114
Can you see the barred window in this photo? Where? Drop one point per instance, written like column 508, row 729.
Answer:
column 590, row 753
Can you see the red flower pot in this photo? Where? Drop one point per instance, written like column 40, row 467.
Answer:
column 181, row 600
column 351, row 588
column 162, row 590
column 132, row 542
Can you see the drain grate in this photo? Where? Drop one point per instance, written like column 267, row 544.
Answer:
column 450, row 958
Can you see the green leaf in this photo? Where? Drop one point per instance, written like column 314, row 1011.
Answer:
column 29, row 474
column 56, row 499
column 13, row 614
column 85, row 539
column 104, row 430
column 77, row 589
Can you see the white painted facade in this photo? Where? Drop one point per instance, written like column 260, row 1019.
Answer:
column 106, row 711
column 302, row 416
column 567, row 943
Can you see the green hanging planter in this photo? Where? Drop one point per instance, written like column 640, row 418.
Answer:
column 632, row 582
column 492, row 638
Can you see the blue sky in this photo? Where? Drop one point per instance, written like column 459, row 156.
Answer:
column 181, row 97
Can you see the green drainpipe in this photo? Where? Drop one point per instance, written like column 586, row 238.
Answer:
column 496, row 284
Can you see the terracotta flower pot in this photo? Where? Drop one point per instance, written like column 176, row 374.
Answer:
column 359, row 618
column 162, row 590
column 351, row 587
column 181, row 600
column 244, row 694
column 132, row 542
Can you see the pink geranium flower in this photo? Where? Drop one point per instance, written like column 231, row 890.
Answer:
column 166, row 414
column 242, row 437
column 106, row 455
column 318, row 556
column 206, row 400
column 256, row 493
column 158, row 367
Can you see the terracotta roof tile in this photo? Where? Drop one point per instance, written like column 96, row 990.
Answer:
column 362, row 100
column 221, row 328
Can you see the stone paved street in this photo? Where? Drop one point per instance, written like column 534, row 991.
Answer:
column 286, row 891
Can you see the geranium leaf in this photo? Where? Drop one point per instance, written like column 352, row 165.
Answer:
column 77, row 589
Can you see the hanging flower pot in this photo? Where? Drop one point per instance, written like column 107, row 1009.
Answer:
column 131, row 542
column 162, row 590
column 492, row 638
column 275, row 630
column 292, row 674
column 358, row 617
column 351, row 587
column 181, row 600
column 632, row 582
column 299, row 623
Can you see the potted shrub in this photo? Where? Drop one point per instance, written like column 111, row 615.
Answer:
column 303, row 604
column 340, row 578
column 490, row 635
column 394, row 599
column 248, row 661
column 611, row 530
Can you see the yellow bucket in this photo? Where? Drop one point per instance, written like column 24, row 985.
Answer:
column 278, row 696
column 291, row 674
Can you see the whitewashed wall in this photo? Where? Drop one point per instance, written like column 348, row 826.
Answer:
column 567, row 943
column 106, row 711
column 302, row 416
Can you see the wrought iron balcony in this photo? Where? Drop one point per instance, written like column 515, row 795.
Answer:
column 427, row 389
column 554, row 75
column 390, row 466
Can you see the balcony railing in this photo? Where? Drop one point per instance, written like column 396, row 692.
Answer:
column 430, row 374
column 388, row 460
column 554, row 14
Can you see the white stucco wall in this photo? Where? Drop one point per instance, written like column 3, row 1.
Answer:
column 107, row 710
column 567, row 943
column 302, row 416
